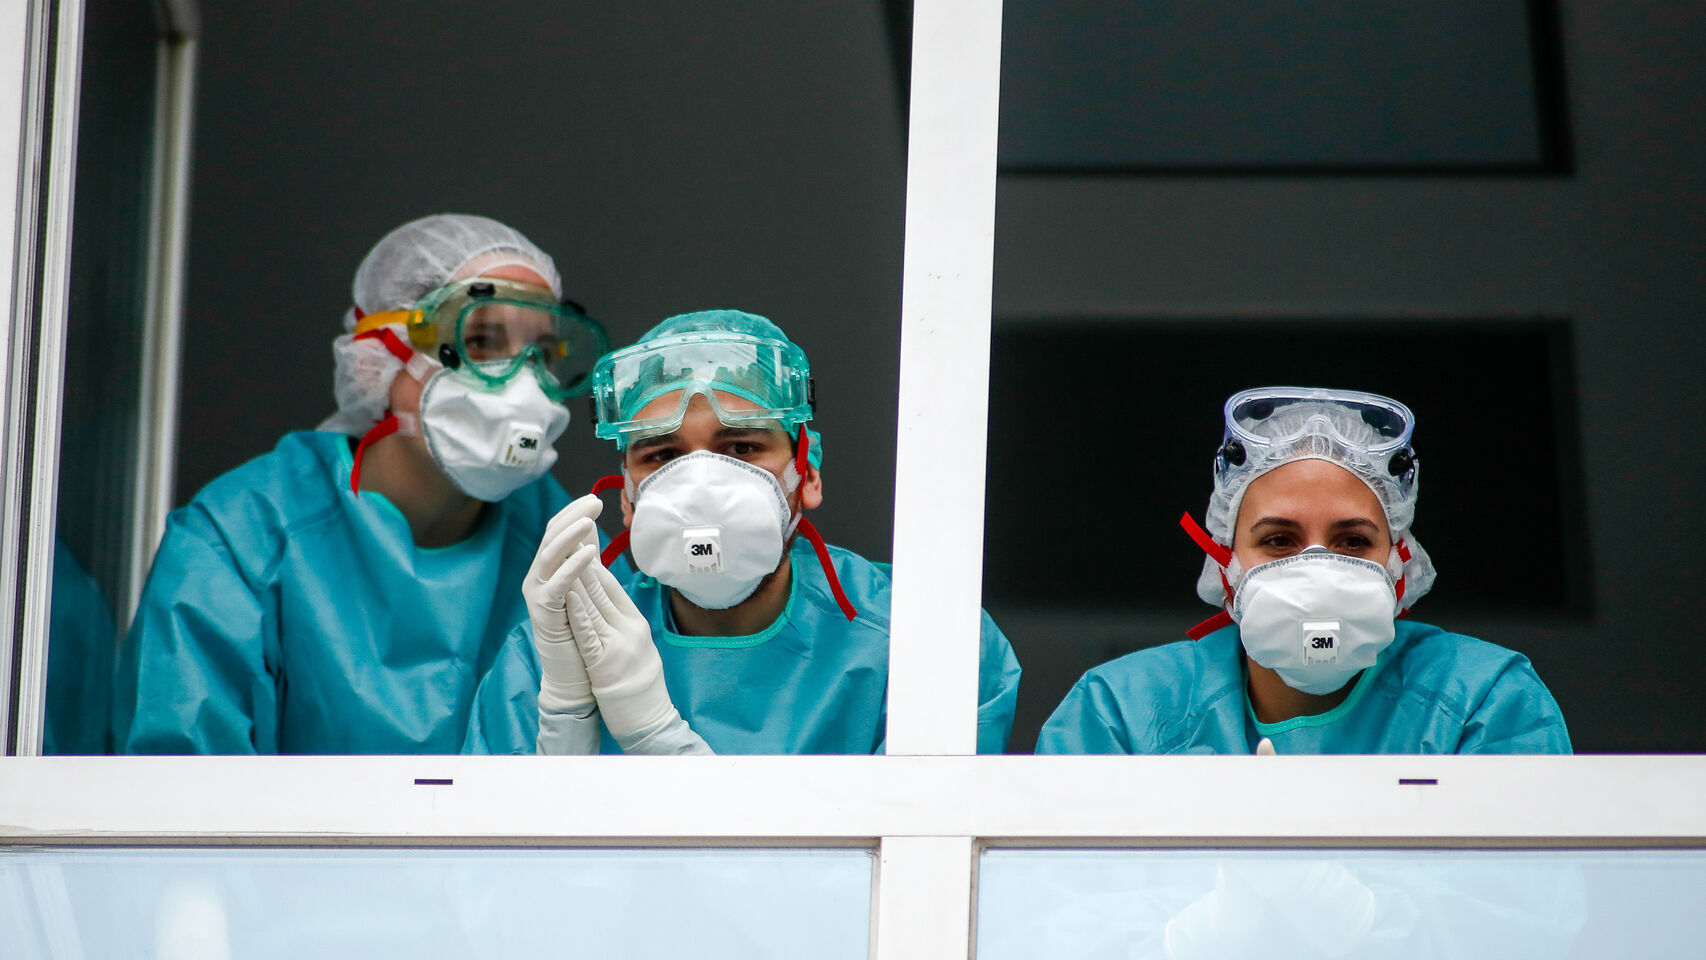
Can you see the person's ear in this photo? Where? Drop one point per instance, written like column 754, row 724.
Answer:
column 405, row 393
column 811, row 489
column 627, row 510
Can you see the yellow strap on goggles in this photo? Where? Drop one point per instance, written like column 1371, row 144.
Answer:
column 420, row 329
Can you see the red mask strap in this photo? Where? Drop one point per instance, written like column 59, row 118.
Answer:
column 1219, row 554
column 380, row 431
column 800, row 461
column 398, row 348
column 1404, row 555
column 806, row 528
column 1221, row 619
column 617, row 544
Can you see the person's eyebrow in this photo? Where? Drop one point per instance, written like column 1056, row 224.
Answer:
column 646, row 443
column 1273, row 522
column 742, row 433
column 1354, row 522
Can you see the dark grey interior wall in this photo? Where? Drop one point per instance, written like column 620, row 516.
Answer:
column 671, row 157
column 1617, row 247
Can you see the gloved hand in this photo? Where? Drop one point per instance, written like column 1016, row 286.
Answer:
column 594, row 644
column 564, row 687
column 621, row 660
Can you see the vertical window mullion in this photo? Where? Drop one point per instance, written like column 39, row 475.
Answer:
column 944, row 377
column 923, row 905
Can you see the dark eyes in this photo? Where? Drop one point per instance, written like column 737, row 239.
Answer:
column 1349, row 543
column 739, row 449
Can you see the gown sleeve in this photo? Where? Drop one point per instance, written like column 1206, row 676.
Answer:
column 198, row 669
column 1517, row 715
column 1085, row 722
column 997, row 688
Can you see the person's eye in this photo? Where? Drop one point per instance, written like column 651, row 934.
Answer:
column 1277, row 541
column 744, row 448
column 659, row 455
column 1356, row 542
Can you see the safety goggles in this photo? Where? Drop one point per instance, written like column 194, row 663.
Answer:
column 770, row 378
column 1362, row 429
column 474, row 326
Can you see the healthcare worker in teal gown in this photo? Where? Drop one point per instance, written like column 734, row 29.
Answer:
column 345, row 592
column 769, row 641
column 1311, row 557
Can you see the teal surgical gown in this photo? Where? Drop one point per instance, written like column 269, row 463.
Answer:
column 284, row 614
column 1430, row 692
column 79, row 661
column 811, row 682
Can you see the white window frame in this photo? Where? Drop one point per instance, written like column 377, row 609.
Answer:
column 38, row 130
column 930, row 806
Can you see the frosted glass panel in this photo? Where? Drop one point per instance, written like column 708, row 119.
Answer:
column 421, row 904
column 1391, row 904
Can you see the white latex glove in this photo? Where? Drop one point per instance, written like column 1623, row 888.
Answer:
column 622, row 662
column 564, row 687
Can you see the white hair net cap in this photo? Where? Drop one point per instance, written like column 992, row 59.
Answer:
column 402, row 267
column 1338, row 434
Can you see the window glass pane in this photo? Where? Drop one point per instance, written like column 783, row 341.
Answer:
column 106, row 319
column 1341, row 903
column 436, row 903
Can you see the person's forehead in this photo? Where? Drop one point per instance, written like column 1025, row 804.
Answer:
column 517, row 272
column 1315, row 483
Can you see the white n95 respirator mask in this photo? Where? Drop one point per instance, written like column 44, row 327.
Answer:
column 1315, row 618
column 710, row 527
column 490, row 442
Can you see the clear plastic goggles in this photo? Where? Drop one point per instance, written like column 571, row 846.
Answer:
column 1363, row 430
column 773, row 376
column 472, row 325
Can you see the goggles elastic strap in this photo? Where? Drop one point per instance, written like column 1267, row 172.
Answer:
column 810, row 533
column 380, row 431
